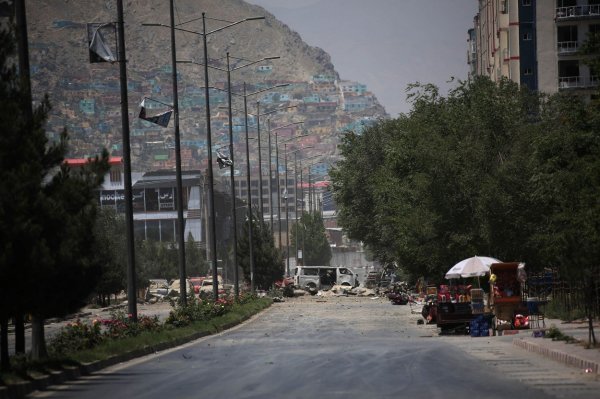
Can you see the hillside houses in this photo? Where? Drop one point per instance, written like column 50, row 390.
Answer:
column 90, row 101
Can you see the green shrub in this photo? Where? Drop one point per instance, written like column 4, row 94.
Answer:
column 198, row 310
column 75, row 337
column 78, row 336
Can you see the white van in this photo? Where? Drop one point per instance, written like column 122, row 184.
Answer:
column 314, row 278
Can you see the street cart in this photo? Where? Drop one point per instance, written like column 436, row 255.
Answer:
column 506, row 296
column 462, row 309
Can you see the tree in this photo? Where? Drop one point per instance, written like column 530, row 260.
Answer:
column 310, row 235
column 444, row 182
column 111, row 253
column 47, row 213
column 20, row 180
column 591, row 49
column 195, row 258
column 565, row 186
column 156, row 260
column 268, row 261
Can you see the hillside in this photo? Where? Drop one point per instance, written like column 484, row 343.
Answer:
column 86, row 97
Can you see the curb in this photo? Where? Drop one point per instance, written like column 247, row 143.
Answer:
column 22, row 389
column 558, row 355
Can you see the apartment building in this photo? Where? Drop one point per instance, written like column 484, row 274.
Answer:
column 535, row 43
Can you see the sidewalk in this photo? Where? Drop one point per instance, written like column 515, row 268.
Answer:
column 572, row 354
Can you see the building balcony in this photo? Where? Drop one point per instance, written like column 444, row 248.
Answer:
column 566, row 48
column 577, row 12
column 578, row 82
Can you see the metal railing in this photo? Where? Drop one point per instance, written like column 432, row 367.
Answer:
column 577, row 11
column 578, row 82
column 567, row 47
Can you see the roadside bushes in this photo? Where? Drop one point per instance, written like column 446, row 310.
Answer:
column 79, row 335
column 203, row 309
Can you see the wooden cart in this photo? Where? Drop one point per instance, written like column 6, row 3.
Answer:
column 506, row 294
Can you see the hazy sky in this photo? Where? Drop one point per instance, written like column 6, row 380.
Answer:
column 385, row 44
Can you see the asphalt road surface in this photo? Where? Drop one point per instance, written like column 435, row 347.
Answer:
column 335, row 347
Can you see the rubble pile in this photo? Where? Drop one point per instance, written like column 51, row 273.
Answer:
column 343, row 290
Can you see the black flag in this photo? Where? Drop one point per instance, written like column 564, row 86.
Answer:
column 161, row 119
column 223, row 160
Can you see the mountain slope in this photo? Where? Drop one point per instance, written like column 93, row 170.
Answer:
column 86, row 96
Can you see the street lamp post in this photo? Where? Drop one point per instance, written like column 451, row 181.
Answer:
column 228, row 70
column 248, row 194
column 276, row 172
column 212, row 224
column 248, row 188
column 131, row 286
column 209, row 146
column 180, row 222
column 287, row 219
column 296, row 196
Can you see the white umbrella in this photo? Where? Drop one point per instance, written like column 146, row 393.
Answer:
column 472, row 267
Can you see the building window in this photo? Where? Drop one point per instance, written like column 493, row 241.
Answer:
column 115, row 176
column 527, row 36
column 528, row 72
column 526, row 2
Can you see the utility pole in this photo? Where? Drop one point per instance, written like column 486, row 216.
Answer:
column 131, row 285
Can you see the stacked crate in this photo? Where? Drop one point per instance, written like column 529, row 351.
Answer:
column 479, row 327
column 477, row 304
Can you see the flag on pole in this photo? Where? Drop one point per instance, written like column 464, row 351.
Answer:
column 161, row 119
column 99, row 47
column 223, row 160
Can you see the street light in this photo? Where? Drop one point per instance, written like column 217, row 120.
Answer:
column 248, row 188
column 211, row 196
column 287, row 219
column 131, row 286
column 301, row 178
column 231, row 155
column 179, row 183
column 277, row 171
column 302, row 196
column 258, row 115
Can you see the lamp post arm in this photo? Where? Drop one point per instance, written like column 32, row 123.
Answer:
column 201, row 64
column 233, row 24
column 267, row 89
column 204, row 33
column 254, row 62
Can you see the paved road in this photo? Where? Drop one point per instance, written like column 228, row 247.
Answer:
column 332, row 348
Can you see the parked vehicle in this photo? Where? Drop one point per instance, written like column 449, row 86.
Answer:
column 207, row 287
column 174, row 288
column 157, row 288
column 197, row 283
column 314, row 278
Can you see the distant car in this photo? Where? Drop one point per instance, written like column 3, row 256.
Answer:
column 157, row 288
column 207, row 287
column 284, row 282
column 197, row 283
column 174, row 288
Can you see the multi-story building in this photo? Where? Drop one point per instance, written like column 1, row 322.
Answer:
column 154, row 198
column 535, row 43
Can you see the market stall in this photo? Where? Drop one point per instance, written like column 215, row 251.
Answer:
column 507, row 298
column 462, row 308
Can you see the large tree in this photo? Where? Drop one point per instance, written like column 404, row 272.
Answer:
column 442, row 183
column 111, row 252
column 47, row 213
column 309, row 234
column 565, row 187
column 268, row 261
